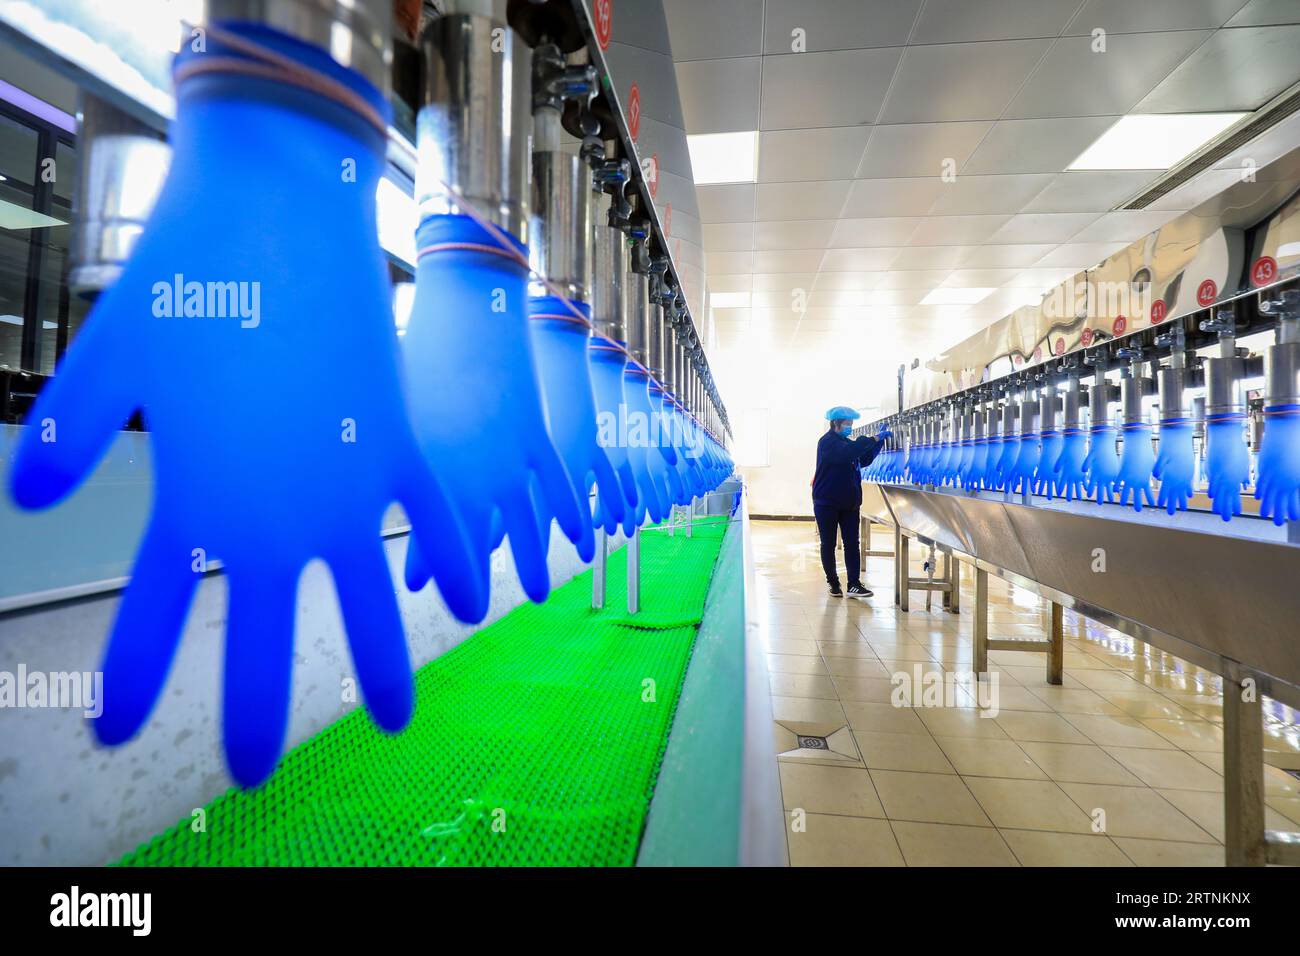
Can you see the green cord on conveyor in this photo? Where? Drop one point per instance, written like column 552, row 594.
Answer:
column 534, row 742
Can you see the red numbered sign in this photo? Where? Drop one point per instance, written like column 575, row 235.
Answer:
column 1264, row 271
column 1158, row 311
column 1119, row 325
column 1038, row 354
column 1207, row 292
column 634, row 112
column 1060, row 346
column 1086, row 337
column 651, row 169
column 668, row 219
column 603, row 14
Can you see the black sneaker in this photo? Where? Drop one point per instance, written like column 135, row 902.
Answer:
column 835, row 591
column 858, row 591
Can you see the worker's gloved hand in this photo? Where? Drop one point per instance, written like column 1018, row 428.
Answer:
column 1102, row 463
column 1174, row 465
column 1020, row 481
column 608, row 359
column 1007, row 461
column 560, row 346
column 278, row 428
column 1045, row 474
column 884, row 435
column 1227, row 463
column 1277, row 484
column 1068, row 473
column 470, row 369
column 1137, row 460
column 647, row 464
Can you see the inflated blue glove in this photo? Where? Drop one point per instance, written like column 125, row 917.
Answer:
column 675, row 475
column 1007, row 461
column 1102, row 463
column 470, row 367
column 608, row 359
column 647, row 464
column 972, row 475
column 1137, row 461
column 1277, row 485
column 1045, row 474
column 1068, row 478
column 915, row 462
column 1175, row 464
column 945, row 467
column 989, row 477
column 265, row 454
column 1020, row 480
column 560, row 346
column 1227, row 462
column 963, row 458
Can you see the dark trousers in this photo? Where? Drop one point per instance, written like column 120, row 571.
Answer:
column 830, row 518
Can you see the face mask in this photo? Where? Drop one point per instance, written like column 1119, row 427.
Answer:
column 846, row 430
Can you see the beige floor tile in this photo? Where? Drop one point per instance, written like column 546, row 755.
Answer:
column 1108, row 681
column 1167, row 853
column 796, row 664
column 914, row 670
column 1171, row 769
column 1079, row 763
column 1052, row 728
column 1188, row 735
column 914, row 752
column 978, row 757
column 882, row 718
column 843, row 841
column 778, row 645
column 1207, row 810
column 1136, row 812
column 902, row 652
column 802, row 685
column 1041, row 848
column 1150, row 705
column 1014, row 697
column 856, row 667
column 1289, row 807
column 927, row 798
column 1118, row 731
column 1075, row 700
column 1028, row 805
column 960, row 722
column 860, row 650
column 822, row 789
column 875, row 690
column 942, row 844
column 807, row 709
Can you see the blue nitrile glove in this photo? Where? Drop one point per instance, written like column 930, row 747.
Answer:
column 560, row 346
column 1068, row 478
column 973, row 473
column 1007, row 461
column 964, row 459
column 945, row 464
column 470, row 367
column 647, row 464
column 988, row 478
column 912, row 464
column 1174, row 464
column 674, row 474
column 884, row 435
column 1045, row 474
column 277, row 423
column 608, row 359
column 1102, row 463
column 1227, row 462
column 1137, row 460
column 1020, row 480
column 692, row 450
column 1277, row 485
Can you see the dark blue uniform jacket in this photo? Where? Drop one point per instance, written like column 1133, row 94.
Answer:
column 837, row 481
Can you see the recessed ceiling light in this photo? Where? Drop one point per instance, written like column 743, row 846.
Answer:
column 948, row 296
column 724, row 157
column 1153, row 141
column 729, row 300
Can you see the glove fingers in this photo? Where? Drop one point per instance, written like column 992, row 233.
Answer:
column 375, row 634
column 441, row 546
column 627, row 480
column 145, row 635
column 561, row 496
column 75, row 418
column 259, row 666
column 527, row 548
column 607, row 488
column 416, row 571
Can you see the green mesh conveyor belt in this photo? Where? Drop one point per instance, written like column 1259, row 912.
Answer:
column 535, row 742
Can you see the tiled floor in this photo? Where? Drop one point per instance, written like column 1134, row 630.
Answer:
column 1119, row 766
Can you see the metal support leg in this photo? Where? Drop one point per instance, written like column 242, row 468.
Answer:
column 598, row 569
column 1243, row 772
column 690, row 519
column 954, row 578
column 904, row 572
column 634, row 572
column 945, row 596
column 1056, row 650
column 981, row 657
column 898, row 574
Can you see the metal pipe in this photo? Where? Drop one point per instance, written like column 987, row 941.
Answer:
column 609, row 302
column 560, row 228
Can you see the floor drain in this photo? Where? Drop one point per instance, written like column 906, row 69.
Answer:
column 813, row 743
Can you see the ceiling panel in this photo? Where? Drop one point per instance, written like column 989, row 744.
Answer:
column 1080, row 255
column 1124, row 225
column 1147, row 16
column 988, row 195
column 955, row 230
column 784, row 282
column 1235, row 70
column 793, row 234
column 732, row 202
column 877, row 198
column 719, row 96
column 913, row 279
column 933, row 82
column 819, row 200
column 729, row 262
column 802, row 90
column 866, row 233
column 713, row 30
column 1090, row 191
column 788, row 260
column 980, row 278
column 1043, row 227
column 858, row 260
column 728, row 236
column 929, row 257
column 1263, row 12
column 849, row 280
column 718, row 282
column 1073, row 80
column 1004, row 257
column 837, row 24
column 920, row 149
column 803, row 154
column 1036, row 145
column 954, row 21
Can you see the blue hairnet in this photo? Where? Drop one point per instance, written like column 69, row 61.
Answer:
column 844, row 412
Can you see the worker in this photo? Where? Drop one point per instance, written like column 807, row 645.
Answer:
column 837, row 495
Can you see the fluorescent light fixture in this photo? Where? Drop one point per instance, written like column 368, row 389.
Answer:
column 729, row 300
column 724, row 157
column 949, row 296
column 13, row 216
column 398, row 218
column 1153, row 140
